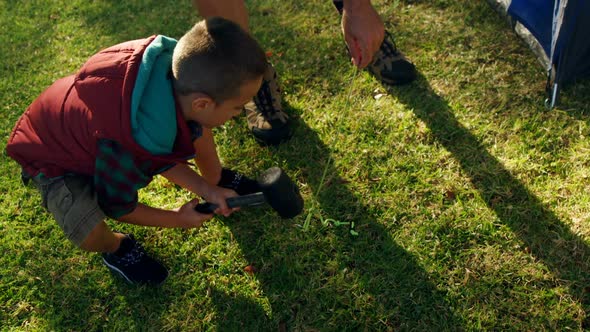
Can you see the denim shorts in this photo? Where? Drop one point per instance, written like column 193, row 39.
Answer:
column 72, row 201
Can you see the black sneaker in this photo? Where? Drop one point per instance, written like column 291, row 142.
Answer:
column 390, row 66
column 269, row 124
column 134, row 264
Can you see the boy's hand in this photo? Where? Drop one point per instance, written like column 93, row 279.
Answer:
column 189, row 218
column 217, row 196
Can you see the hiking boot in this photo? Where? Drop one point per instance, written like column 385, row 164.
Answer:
column 269, row 124
column 390, row 66
column 134, row 264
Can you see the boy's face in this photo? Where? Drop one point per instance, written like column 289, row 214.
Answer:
column 212, row 114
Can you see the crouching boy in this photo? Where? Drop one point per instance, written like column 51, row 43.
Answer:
column 133, row 111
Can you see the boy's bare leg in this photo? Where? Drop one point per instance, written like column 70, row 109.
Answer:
column 123, row 255
column 102, row 239
column 267, row 121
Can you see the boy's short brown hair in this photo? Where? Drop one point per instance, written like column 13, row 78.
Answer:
column 216, row 57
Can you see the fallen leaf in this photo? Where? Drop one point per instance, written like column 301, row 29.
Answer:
column 450, row 195
column 250, row 269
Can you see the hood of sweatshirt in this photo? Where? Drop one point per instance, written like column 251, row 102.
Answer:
column 153, row 107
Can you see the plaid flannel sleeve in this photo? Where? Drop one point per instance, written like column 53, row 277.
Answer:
column 117, row 178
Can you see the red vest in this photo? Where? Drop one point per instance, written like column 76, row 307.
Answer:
column 58, row 133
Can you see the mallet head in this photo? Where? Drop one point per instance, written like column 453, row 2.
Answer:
column 280, row 192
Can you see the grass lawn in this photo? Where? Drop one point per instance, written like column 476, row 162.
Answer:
column 469, row 197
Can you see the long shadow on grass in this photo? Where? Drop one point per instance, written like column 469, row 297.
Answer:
column 547, row 238
column 575, row 100
column 238, row 313
column 325, row 278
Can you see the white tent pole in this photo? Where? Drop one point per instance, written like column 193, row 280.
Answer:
column 553, row 96
column 558, row 15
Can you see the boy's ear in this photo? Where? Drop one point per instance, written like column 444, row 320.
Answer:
column 202, row 102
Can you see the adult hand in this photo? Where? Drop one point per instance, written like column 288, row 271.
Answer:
column 363, row 31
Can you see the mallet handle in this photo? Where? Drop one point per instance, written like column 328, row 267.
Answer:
column 233, row 202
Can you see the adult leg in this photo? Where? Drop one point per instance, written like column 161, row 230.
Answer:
column 233, row 10
column 267, row 121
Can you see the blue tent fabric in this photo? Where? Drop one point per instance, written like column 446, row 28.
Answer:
column 574, row 57
column 561, row 28
column 535, row 15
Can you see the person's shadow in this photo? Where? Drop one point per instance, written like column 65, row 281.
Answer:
column 311, row 275
column 374, row 262
column 544, row 236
